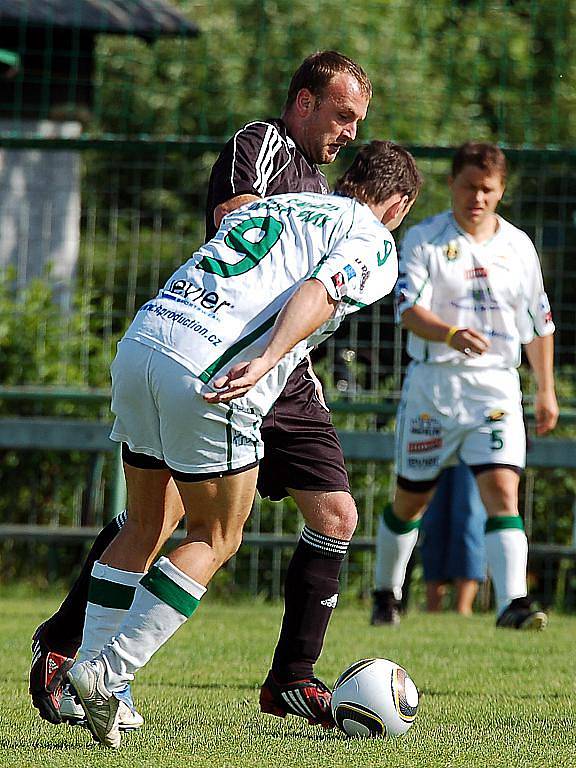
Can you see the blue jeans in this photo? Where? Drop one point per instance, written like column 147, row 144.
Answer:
column 452, row 530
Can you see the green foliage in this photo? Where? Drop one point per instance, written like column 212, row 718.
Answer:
column 488, row 698
column 442, row 70
column 40, row 343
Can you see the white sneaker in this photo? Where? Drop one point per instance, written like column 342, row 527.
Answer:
column 72, row 712
column 100, row 706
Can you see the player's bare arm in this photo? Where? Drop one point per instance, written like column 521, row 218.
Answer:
column 540, row 353
column 428, row 325
column 309, row 308
column 230, row 205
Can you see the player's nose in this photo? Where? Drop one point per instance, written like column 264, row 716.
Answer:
column 349, row 132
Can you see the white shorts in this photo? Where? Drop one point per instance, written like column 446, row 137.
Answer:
column 160, row 411
column 449, row 411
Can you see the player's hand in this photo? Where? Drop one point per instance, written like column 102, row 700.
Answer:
column 546, row 411
column 470, row 342
column 238, row 381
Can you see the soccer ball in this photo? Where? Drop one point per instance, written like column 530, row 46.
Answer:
column 374, row 697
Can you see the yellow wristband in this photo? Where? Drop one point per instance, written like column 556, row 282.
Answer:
column 450, row 335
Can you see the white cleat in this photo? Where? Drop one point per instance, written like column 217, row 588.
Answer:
column 72, row 712
column 100, row 706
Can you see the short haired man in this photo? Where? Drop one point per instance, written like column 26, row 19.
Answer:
column 281, row 274
column 327, row 97
column 470, row 293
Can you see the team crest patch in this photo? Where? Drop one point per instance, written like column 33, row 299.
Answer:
column 451, row 251
column 495, row 415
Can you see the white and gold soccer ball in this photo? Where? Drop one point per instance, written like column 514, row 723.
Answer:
column 374, row 697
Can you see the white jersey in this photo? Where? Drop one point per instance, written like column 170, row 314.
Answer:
column 220, row 306
column 494, row 287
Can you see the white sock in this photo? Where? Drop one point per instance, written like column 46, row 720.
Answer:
column 507, row 556
column 393, row 552
column 110, row 596
column 164, row 599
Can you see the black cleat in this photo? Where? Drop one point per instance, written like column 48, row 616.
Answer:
column 522, row 614
column 385, row 608
column 47, row 678
column 308, row 698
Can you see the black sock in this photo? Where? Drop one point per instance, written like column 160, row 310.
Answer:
column 62, row 632
column 310, row 595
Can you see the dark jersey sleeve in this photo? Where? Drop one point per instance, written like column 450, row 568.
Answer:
column 248, row 165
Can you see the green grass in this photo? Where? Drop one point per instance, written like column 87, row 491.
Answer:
column 488, row 698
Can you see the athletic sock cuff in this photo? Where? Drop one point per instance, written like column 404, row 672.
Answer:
column 326, row 545
column 112, row 588
column 115, row 575
column 175, row 588
column 502, row 523
column 396, row 525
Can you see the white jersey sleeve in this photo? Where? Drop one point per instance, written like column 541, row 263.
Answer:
column 360, row 269
column 414, row 285
column 534, row 316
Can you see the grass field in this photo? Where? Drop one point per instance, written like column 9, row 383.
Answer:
column 488, row 698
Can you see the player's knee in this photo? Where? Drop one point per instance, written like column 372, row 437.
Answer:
column 341, row 517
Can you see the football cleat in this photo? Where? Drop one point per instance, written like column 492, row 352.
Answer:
column 308, row 698
column 72, row 712
column 385, row 608
column 47, row 678
column 522, row 614
column 100, row 706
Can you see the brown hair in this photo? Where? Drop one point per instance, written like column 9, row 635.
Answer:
column 380, row 170
column 487, row 157
column 316, row 72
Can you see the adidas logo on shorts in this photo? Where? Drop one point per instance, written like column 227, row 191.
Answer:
column 330, row 602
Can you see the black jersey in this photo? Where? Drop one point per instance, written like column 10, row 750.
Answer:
column 260, row 159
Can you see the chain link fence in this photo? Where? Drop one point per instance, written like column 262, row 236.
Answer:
column 109, row 126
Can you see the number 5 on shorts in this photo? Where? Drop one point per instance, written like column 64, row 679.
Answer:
column 496, row 442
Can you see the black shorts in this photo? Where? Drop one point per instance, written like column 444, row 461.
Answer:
column 301, row 447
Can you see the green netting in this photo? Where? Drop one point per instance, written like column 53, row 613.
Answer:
column 441, row 69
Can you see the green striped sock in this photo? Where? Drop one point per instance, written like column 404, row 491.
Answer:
column 164, row 588
column 501, row 523
column 395, row 524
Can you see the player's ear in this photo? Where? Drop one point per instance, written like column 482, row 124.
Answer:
column 305, row 102
column 397, row 205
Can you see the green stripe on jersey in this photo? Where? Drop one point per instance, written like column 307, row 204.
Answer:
column 212, row 369
column 501, row 523
column 348, row 300
column 395, row 524
column 419, row 294
column 108, row 594
column 156, row 582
